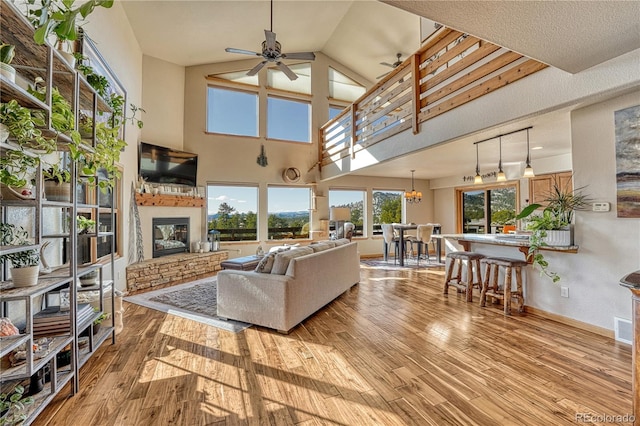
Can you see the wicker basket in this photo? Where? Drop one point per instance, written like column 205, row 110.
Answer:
column 55, row 191
column 9, row 193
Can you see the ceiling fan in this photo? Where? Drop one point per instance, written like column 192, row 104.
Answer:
column 272, row 52
column 394, row 65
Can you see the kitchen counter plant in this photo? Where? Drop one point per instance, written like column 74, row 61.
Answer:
column 554, row 225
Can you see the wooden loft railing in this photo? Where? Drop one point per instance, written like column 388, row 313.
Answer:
column 450, row 70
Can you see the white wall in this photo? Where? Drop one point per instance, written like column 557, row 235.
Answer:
column 115, row 40
column 609, row 247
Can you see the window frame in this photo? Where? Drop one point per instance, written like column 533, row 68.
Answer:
column 359, row 231
column 378, row 232
column 257, row 212
column 290, row 97
column 218, row 84
column 309, row 209
column 487, row 209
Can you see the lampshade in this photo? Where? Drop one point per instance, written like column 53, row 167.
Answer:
column 338, row 214
column 413, row 196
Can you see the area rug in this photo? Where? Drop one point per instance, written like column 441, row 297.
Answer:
column 195, row 300
column 380, row 263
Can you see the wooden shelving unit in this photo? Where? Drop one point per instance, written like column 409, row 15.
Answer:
column 21, row 304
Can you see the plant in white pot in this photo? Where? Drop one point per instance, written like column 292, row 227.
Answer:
column 553, row 226
column 25, row 264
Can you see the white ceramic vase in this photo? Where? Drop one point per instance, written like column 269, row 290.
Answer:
column 560, row 238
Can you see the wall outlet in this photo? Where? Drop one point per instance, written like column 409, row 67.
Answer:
column 601, row 207
column 564, row 291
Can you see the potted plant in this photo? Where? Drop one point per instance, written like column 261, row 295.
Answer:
column 57, row 183
column 60, row 17
column 89, row 279
column 553, row 226
column 24, row 263
column 85, row 225
column 12, row 406
column 18, row 163
column 96, row 323
column 7, row 52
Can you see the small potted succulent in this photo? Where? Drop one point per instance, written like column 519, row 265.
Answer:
column 96, row 323
column 25, row 264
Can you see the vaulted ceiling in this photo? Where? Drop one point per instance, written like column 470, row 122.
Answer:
column 569, row 35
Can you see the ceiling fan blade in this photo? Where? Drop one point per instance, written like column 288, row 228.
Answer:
column 241, row 51
column 382, row 75
column 254, row 70
column 387, row 64
column 270, row 36
column 308, row 56
column 287, row 71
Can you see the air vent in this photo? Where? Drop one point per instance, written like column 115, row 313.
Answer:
column 624, row 330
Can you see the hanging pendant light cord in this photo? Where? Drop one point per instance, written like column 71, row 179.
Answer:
column 477, row 161
column 271, row 28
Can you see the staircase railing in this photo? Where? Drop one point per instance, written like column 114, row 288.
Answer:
column 452, row 69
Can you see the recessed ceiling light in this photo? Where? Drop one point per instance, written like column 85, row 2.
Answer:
column 536, row 147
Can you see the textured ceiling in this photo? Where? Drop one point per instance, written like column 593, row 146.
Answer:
column 569, row 35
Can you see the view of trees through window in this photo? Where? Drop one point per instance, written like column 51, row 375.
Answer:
column 499, row 202
column 387, row 208
column 354, row 200
column 288, row 212
column 233, row 210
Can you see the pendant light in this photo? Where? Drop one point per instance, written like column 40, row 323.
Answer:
column 413, row 196
column 477, row 179
column 501, row 176
column 528, row 170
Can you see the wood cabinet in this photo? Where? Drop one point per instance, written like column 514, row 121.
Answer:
column 540, row 186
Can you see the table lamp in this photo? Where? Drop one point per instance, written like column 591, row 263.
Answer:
column 340, row 215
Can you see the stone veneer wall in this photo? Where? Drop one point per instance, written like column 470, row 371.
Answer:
column 173, row 269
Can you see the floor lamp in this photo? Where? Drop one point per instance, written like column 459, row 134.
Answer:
column 340, row 215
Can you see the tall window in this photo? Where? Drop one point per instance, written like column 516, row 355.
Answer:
column 288, row 210
column 354, row 200
column 334, row 110
column 487, row 210
column 288, row 119
column 387, row 208
column 344, row 88
column 232, row 210
column 232, row 112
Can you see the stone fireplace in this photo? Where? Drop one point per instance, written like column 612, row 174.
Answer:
column 170, row 235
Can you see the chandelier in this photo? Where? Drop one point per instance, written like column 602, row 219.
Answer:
column 413, row 196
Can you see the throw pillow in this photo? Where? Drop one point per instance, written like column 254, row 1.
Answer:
column 266, row 263
column 281, row 263
column 282, row 248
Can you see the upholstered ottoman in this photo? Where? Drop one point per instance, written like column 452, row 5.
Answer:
column 246, row 263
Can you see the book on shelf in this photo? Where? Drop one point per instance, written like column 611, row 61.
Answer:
column 52, row 321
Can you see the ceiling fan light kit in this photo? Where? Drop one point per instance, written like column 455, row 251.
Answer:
column 272, row 52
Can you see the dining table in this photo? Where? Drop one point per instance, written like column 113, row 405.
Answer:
column 401, row 227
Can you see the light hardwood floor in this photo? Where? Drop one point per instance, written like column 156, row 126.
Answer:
column 393, row 350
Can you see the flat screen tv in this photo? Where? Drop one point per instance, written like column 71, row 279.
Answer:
column 158, row 164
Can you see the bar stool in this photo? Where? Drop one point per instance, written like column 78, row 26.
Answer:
column 493, row 265
column 456, row 258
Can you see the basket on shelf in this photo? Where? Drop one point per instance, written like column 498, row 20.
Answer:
column 56, row 191
column 9, row 193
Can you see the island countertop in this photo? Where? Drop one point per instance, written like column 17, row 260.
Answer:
column 521, row 241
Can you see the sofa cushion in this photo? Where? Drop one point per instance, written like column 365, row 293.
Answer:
column 266, row 263
column 282, row 248
column 342, row 241
column 322, row 246
column 282, row 259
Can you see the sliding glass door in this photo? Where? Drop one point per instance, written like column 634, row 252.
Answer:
column 487, row 210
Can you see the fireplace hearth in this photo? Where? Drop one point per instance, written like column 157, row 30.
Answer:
column 170, row 235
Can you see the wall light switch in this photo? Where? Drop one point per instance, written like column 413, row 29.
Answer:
column 564, row 291
column 601, row 207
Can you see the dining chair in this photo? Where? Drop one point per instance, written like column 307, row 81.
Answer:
column 389, row 238
column 424, row 237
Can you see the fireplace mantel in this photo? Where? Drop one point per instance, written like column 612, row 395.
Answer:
column 164, row 200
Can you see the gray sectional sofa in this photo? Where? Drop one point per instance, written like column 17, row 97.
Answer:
column 293, row 285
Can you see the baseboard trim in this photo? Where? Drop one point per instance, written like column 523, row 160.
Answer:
column 572, row 322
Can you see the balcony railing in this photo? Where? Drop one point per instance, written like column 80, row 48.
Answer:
column 450, row 70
